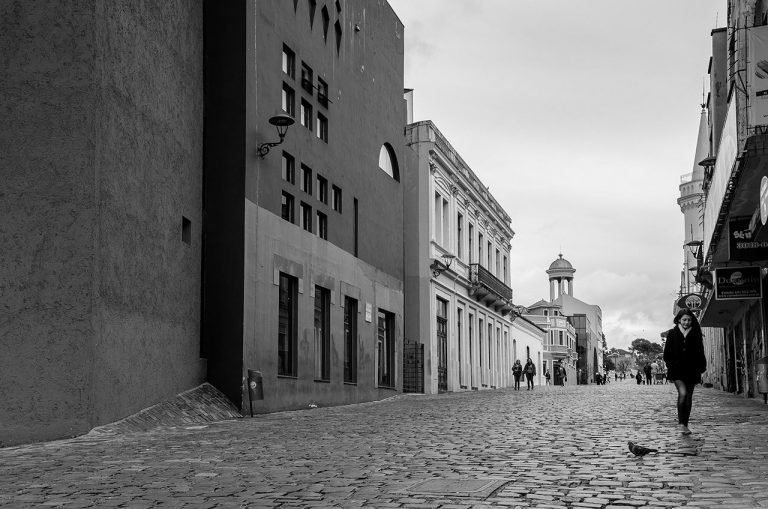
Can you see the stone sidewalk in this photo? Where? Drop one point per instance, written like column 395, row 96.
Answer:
column 551, row 447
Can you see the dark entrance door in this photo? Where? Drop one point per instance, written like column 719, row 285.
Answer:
column 442, row 345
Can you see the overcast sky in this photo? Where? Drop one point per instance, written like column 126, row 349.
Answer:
column 580, row 116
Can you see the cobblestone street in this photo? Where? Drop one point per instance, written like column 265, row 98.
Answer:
column 551, row 447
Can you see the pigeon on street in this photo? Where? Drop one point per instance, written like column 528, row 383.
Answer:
column 639, row 450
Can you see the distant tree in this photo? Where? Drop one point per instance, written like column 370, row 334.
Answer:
column 646, row 351
column 609, row 364
column 623, row 365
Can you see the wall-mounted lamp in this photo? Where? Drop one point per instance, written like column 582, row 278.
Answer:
column 695, row 247
column 281, row 122
column 439, row 267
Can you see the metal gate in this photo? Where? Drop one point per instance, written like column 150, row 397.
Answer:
column 413, row 366
column 442, row 354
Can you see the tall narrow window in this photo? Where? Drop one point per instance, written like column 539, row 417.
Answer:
column 446, row 225
column 306, row 179
column 289, row 62
column 504, row 266
column 307, row 78
column 336, row 198
column 322, row 127
column 289, row 100
column 322, row 92
column 459, row 345
column 322, row 334
column 385, row 349
column 490, row 256
column 560, row 335
column 356, row 225
column 490, row 342
column 470, row 338
column 306, row 217
column 312, row 8
column 438, row 224
column 286, row 335
column 480, row 339
column 479, row 248
column 322, row 226
column 326, row 22
column 287, row 207
column 322, row 189
column 459, row 236
column 337, row 30
column 306, row 114
column 350, row 340
column 471, row 246
column 498, row 264
column 289, row 168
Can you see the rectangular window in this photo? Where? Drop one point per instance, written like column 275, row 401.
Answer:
column 287, row 207
column 490, row 256
column 322, row 189
column 459, row 236
column 479, row 247
column 322, row 92
column 289, row 100
column 307, row 79
column 446, row 225
column 385, row 349
column 350, row 340
column 490, row 342
column 322, row 226
column 322, row 127
column 498, row 264
column 289, row 168
column 322, row 334
column 561, row 337
column 306, row 114
column 480, row 338
column 470, row 336
column 286, row 336
column 336, row 198
column 306, row 179
column 306, row 217
column 289, row 62
column 504, row 266
column 471, row 246
column 437, row 229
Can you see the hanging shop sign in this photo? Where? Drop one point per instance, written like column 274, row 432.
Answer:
column 737, row 283
column 763, row 200
column 742, row 245
column 692, row 301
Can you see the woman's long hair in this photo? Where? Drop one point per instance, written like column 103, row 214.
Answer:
column 694, row 321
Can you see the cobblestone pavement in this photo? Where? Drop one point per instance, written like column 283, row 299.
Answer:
column 550, row 447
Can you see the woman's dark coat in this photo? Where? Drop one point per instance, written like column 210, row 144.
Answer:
column 684, row 356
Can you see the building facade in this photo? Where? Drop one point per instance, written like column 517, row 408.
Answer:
column 559, row 341
column 734, row 250
column 691, row 204
column 303, row 267
column 101, row 220
column 457, row 271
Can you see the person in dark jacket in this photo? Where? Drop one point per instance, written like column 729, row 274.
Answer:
column 529, row 370
column 517, row 371
column 685, row 360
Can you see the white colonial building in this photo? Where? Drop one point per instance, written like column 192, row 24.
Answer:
column 458, row 299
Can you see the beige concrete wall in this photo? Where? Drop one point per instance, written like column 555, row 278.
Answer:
column 101, row 137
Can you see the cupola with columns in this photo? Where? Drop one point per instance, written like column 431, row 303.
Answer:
column 560, row 278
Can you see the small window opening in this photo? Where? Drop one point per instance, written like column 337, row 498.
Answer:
column 186, row 230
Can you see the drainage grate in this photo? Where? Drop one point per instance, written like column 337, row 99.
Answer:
column 480, row 488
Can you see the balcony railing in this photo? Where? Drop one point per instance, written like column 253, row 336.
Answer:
column 559, row 349
column 488, row 289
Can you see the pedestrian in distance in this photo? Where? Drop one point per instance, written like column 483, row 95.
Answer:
column 648, row 369
column 685, row 360
column 529, row 370
column 517, row 372
column 597, row 378
column 563, row 375
column 548, row 377
column 639, row 377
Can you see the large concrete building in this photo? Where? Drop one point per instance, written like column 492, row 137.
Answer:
column 101, row 213
column 457, row 268
column 155, row 233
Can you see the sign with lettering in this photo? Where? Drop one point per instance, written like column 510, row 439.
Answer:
column 741, row 244
column 692, row 301
column 764, row 200
column 737, row 283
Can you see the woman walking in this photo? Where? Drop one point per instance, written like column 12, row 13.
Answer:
column 685, row 360
column 517, row 370
column 530, row 370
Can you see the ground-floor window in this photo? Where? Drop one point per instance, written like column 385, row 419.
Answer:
column 350, row 340
column 385, row 348
column 322, row 334
column 286, row 330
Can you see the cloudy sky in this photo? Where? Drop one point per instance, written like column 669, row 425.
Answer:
column 581, row 116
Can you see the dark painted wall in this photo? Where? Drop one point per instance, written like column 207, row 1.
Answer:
column 224, row 188
column 102, row 156
column 365, row 81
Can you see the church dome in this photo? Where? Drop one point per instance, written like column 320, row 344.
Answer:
column 560, row 263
